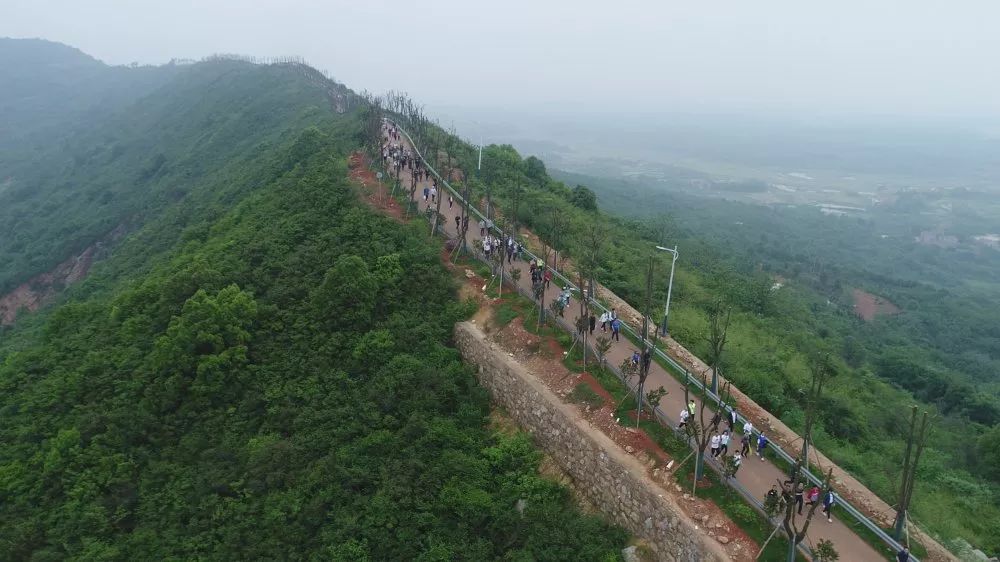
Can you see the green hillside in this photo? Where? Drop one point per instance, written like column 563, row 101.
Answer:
column 49, row 86
column 249, row 374
column 72, row 186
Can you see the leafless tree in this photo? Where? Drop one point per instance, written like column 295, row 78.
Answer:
column 718, row 328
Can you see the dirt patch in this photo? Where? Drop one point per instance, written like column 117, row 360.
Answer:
column 590, row 381
column 376, row 192
column 868, row 306
column 41, row 289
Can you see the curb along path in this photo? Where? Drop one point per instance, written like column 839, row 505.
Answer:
column 756, row 476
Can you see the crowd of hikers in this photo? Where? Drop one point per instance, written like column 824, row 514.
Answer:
column 719, row 441
column 396, row 157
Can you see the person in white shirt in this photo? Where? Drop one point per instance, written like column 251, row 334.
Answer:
column 724, row 443
column 737, row 461
column 715, row 441
column 748, row 428
column 684, row 417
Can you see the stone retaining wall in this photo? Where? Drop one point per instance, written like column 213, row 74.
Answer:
column 613, row 481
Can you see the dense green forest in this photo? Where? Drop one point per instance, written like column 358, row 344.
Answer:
column 128, row 158
column 882, row 369
column 261, row 370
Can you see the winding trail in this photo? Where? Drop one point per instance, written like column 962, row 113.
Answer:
column 756, row 475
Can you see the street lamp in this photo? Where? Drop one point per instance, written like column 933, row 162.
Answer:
column 670, row 285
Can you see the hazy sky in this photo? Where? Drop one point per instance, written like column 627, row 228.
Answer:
column 912, row 57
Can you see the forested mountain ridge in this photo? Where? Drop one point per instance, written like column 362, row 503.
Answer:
column 261, row 368
column 133, row 156
column 50, row 85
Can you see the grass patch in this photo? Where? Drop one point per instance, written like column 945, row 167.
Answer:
column 609, row 382
column 583, row 394
column 504, row 314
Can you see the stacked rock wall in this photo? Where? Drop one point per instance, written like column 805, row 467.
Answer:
column 615, row 482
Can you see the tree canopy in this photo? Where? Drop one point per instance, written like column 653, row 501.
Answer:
column 263, row 370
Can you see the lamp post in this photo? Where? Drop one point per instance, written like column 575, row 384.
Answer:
column 670, row 285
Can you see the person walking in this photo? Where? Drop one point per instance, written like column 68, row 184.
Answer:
column 548, row 277
column 482, row 228
column 714, row 444
column 635, row 359
column 684, row 417
column 903, row 555
column 745, row 444
column 563, row 301
column 772, row 497
column 458, row 224
column 604, row 321
column 829, row 500
column 616, row 327
column 716, row 419
column 647, row 358
column 737, row 461
column 748, row 428
column 593, row 323
column 434, row 192
column 450, row 201
column 724, row 442
column 427, row 193
column 799, row 493
column 761, row 446
column 731, row 418
column 691, row 406
column 813, row 496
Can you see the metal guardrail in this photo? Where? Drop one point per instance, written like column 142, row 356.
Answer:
column 850, row 509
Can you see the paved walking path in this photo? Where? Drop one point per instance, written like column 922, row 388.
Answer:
column 755, row 475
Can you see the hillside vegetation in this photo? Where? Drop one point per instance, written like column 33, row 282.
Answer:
column 124, row 162
column 882, row 369
column 261, row 370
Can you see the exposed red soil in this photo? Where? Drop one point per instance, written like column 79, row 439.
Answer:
column 868, row 306
column 32, row 295
column 590, row 381
column 41, row 289
column 377, row 193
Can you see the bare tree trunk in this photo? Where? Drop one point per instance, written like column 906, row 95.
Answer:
column 769, row 537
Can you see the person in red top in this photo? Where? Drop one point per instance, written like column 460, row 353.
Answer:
column 547, row 277
column 813, row 495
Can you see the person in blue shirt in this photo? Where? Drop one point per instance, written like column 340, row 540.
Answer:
column 829, row 500
column 761, row 446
